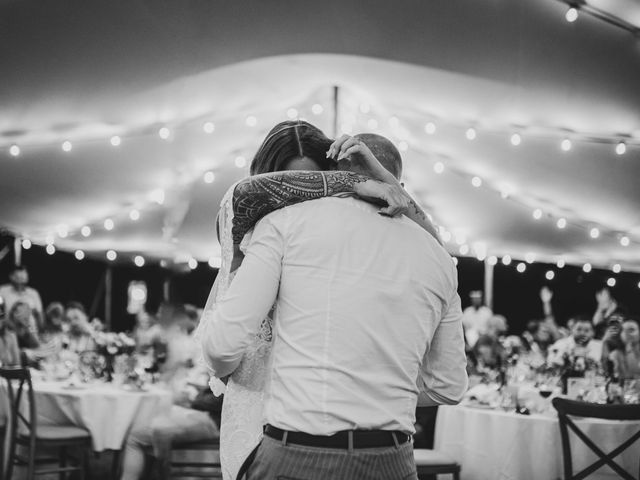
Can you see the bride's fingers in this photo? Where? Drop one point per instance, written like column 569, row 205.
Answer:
column 350, row 151
column 347, row 144
column 335, row 147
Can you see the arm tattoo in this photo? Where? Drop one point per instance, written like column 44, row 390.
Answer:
column 254, row 197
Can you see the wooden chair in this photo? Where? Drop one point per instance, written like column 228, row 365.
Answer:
column 202, row 469
column 24, row 432
column 567, row 408
column 432, row 462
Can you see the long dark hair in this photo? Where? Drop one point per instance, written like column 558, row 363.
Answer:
column 289, row 140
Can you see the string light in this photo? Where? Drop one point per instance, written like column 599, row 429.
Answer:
column 164, row 133
column 438, row 167
column 430, row 128
column 79, row 254
column 530, row 257
column 62, row 230
column 241, row 162
column 571, row 15
column 611, row 282
column 292, row 113
column 586, row 268
column 108, row 224
column 506, row 260
column 638, row 284
column 460, row 239
column 134, row 215
column 209, row 177
column 516, row 139
column 49, row 239
column 209, row 127
column 111, row 255
column 464, row 249
column 50, row 249
column 214, row 262
column 317, row 109
column 446, row 236
column 26, row 243
column 116, row 141
column 594, row 232
column 476, row 182
column 470, row 133
column 616, row 268
column 251, row 121
column 139, row 260
column 560, row 263
column 66, row 146
column 550, row 275
column 624, row 241
column 565, row 145
column 537, row 214
column 14, row 150
column 561, row 223
column 521, row 267
column 621, row 148
column 193, row 263
column 492, row 260
column 85, row 231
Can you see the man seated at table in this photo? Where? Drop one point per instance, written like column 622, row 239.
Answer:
column 195, row 414
column 580, row 344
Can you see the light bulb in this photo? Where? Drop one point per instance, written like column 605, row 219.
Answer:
column 550, row 275
column 317, row 109
column 66, row 146
column 62, row 231
column 476, row 182
column 621, row 148
column 594, row 232
column 111, row 255
column 241, row 162
column 521, row 267
column 586, row 268
column 214, row 262
column 26, row 244
column 139, row 260
column 537, row 214
column 51, row 249
column 438, row 167
column 470, row 133
column 464, row 249
column 616, row 268
column 14, row 150
column 209, row 177
column 134, row 215
column 565, row 145
column 492, row 260
column 292, row 113
column 530, row 257
column 624, row 241
column 561, row 223
column 193, row 263
column 79, row 254
column 611, row 282
column 430, row 128
column 85, row 231
column 571, row 15
column 446, row 237
column 506, row 260
column 209, row 127
column 116, row 140
column 108, row 224
column 560, row 263
column 516, row 139
column 164, row 133
column 251, row 121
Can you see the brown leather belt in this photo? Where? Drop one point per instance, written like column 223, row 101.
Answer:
column 359, row 438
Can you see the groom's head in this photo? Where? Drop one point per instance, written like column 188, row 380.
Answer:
column 384, row 150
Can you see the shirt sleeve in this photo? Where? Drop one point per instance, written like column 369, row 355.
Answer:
column 443, row 376
column 237, row 317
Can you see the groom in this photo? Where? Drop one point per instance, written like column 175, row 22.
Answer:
column 365, row 305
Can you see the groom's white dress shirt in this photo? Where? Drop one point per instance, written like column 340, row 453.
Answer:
column 366, row 310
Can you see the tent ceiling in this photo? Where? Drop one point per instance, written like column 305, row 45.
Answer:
column 85, row 71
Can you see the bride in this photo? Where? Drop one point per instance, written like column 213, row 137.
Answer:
column 296, row 162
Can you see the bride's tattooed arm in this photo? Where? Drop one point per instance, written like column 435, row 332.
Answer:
column 256, row 196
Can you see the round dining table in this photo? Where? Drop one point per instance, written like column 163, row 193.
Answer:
column 493, row 444
column 107, row 411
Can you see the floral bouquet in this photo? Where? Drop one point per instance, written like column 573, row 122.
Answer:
column 111, row 345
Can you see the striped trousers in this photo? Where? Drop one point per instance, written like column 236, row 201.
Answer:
column 276, row 461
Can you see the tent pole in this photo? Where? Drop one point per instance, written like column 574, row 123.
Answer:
column 336, row 93
column 108, row 281
column 17, row 251
column 488, row 284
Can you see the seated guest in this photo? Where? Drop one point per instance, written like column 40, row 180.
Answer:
column 580, row 344
column 626, row 361
column 537, row 338
column 195, row 414
column 79, row 333
column 53, row 320
column 607, row 306
column 487, row 354
column 9, row 350
column 20, row 321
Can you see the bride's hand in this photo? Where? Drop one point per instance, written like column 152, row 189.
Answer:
column 350, row 148
column 378, row 192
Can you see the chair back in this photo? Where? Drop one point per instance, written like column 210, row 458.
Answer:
column 567, row 408
column 18, row 383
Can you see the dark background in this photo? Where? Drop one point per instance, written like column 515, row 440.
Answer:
column 60, row 277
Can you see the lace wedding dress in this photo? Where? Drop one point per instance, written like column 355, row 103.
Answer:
column 242, row 419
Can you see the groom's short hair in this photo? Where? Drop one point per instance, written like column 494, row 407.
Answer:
column 384, row 150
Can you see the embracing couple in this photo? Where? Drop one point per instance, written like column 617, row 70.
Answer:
column 342, row 314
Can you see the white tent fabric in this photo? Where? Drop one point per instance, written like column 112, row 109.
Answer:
column 84, row 72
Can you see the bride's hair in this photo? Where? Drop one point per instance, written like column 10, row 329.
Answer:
column 288, row 140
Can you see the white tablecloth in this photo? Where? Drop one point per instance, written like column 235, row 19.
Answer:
column 496, row 445
column 108, row 412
